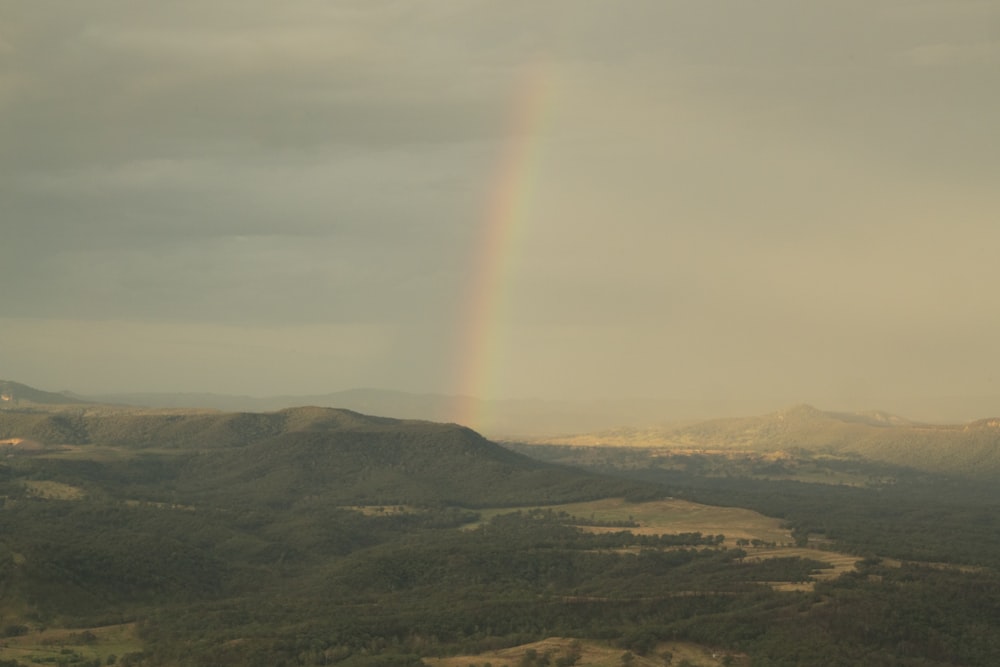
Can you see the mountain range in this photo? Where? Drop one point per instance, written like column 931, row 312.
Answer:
column 311, row 536
column 508, row 419
column 971, row 448
column 964, row 448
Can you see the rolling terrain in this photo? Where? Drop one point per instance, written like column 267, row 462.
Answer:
column 319, row 536
column 963, row 449
column 284, row 456
column 508, row 417
column 521, row 418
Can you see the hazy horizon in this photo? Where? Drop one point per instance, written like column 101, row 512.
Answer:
column 534, row 417
column 571, row 200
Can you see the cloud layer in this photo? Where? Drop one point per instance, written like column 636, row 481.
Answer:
column 729, row 199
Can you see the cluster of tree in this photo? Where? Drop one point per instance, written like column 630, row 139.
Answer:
column 563, row 516
column 920, row 516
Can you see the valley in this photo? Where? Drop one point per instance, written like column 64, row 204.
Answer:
column 317, row 536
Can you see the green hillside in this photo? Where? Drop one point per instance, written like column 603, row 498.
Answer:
column 336, row 456
column 386, row 462
column 317, row 536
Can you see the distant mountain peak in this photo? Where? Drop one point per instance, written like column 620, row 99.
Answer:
column 802, row 412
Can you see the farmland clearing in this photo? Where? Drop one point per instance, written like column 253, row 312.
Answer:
column 590, row 654
column 68, row 646
column 671, row 516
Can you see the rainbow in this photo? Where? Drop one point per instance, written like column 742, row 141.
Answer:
column 487, row 304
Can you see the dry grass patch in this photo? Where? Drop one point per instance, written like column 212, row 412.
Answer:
column 661, row 517
column 840, row 563
column 50, row 490
column 63, row 646
column 382, row 510
column 680, row 516
column 159, row 505
column 591, row 654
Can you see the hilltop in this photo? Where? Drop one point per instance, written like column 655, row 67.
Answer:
column 280, row 457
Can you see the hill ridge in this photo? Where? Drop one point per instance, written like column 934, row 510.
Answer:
column 284, row 457
column 189, row 428
column 968, row 449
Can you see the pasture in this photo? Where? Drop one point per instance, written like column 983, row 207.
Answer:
column 671, row 516
column 590, row 654
column 668, row 516
column 71, row 646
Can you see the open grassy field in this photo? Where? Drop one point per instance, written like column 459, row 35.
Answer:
column 673, row 516
column 680, row 516
column 62, row 646
column 840, row 563
column 383, row 510
column 50, row 490
column 593, row 654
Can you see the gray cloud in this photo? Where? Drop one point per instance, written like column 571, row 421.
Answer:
column 780, row 198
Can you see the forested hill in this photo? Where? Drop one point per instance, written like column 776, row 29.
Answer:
column 968, row 449
column 189, row 429
column 280, row 458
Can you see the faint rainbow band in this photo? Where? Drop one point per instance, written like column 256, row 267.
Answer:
column 486, row 311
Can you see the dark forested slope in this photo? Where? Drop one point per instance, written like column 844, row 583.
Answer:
column 282, row 457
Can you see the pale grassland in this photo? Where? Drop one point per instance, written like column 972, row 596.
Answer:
column 47, row 647
column 53, row 490
column 681, row 516
column 592, row 654
column 382, row 510
column 669, row 516
column 841, row 563
column 159, row 506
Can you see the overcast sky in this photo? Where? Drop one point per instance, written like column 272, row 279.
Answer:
column 725, row 199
